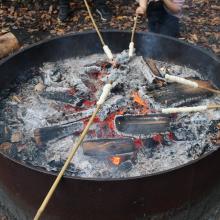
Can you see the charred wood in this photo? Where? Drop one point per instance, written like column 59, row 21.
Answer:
column 151, row 64
column 43, row 135
column 113, row 104
column 175, row 94
column 107, row 147
column 64, row 96
column 69, row 118
column 139, row 125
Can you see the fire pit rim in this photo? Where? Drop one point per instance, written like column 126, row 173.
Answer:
column 196, row 47
column 40, row 170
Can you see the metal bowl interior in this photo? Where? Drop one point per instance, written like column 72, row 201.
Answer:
column 150, row 193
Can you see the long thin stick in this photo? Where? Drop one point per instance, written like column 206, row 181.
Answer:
column 190, row 109
column 181, row 80
column 94, row 23
column 210, row 89
column 131, row 45
column 134, row 28
column 106, row 91
column 105, row 47
column 188, row 82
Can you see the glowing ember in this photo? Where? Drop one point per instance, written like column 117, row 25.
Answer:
column 138, row 143
column 116, row 160
column 137, row 99
column 158, row 138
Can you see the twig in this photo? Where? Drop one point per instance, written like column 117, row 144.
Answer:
column 105, row 47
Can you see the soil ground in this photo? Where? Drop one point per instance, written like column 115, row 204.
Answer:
column 35, row 20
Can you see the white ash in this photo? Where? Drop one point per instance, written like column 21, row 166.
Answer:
column 111, row 105
column 35, row 111
column 146, row 71
column 92, row 69
column 123, row 57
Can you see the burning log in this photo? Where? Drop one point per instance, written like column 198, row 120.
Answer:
column 43, row 135
column 177, row 94
column 63, row 95
column 140, row 125
column 107, row 147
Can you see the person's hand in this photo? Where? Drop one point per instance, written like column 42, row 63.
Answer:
column 141, row 11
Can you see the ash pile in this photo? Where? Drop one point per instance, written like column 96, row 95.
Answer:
column 43, row 114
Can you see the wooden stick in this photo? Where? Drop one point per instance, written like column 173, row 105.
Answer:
column 94, row 23
column 131, row 45
column 134, row 28
column 190, row 83
column 105, row 47
column 210, row 89
column 189, row 109
column 213, row 106
column 177, row 79
column 106, row 91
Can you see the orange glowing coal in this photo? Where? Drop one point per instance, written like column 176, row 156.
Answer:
column 115, row 160
column 136, row 98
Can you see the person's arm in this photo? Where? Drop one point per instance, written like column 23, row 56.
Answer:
column 173, row 7
column 141, row 10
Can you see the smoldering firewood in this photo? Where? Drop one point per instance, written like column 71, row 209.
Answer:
column 69, row 118
column 113, row 104
column 107, row 147
column 175, row 94
column 43, row 135
column 152, row 65
column 63, row 95
column 159, row 78
column 145, row 126
column 147, row 72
